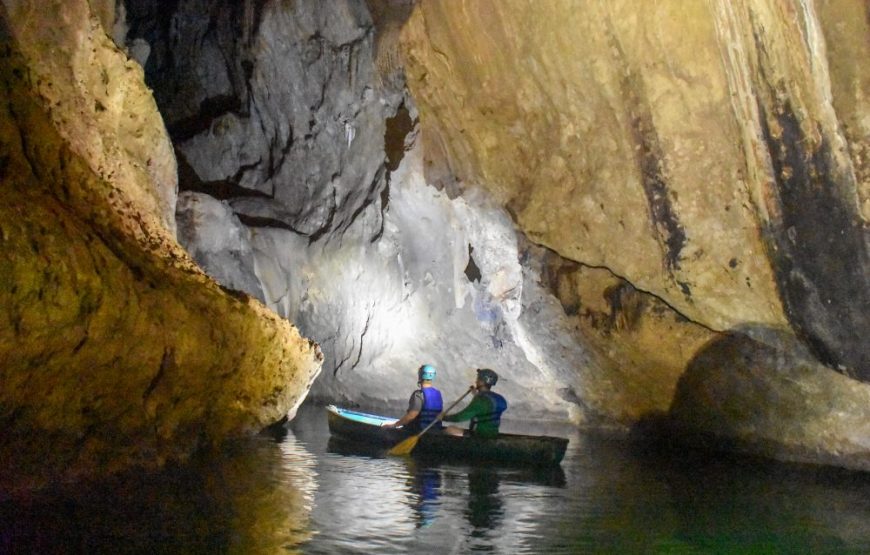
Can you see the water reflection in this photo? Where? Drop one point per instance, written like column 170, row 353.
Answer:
column 623, row 501
column 419, row 484
column 425, row 486
column 485, row 509
column 500, row 505
column 254, row 498
column 309, row 494
column 764, row 506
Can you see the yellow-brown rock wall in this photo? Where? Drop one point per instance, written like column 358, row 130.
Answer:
column 115, row 349
column 710, row 153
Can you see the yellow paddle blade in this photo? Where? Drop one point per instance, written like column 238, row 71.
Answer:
column 405, row 446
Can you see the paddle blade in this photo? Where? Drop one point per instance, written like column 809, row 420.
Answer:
column 405, row 446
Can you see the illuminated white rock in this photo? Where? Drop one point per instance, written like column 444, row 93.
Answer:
column 381, row 309
column 218, row 241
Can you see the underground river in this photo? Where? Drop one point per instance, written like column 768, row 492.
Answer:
column 301, row 492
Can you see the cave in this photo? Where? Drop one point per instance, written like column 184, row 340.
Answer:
column 651, row 219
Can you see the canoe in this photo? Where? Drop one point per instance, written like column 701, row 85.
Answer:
column 366, row 428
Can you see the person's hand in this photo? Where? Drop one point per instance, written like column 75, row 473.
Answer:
column 388, row 425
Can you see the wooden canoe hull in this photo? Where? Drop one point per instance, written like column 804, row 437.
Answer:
column 506, row 448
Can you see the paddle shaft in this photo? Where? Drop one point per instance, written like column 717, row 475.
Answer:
column 406, row 446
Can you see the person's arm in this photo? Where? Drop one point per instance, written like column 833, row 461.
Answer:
column 406, row 419
column 476, row 407
column 415, row 405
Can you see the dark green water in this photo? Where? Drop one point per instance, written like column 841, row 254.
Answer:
column 303, row 493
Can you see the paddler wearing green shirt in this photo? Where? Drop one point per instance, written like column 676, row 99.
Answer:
column 484, row 411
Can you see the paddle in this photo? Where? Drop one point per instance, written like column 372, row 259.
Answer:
column 407, row 445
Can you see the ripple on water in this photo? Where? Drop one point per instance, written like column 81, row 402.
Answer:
column 296, row 494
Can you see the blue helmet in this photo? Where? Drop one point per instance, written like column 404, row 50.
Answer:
column 426, row 372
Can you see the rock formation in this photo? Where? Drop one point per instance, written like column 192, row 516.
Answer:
column 395, row 273
column 773, row 399
column 115, row 349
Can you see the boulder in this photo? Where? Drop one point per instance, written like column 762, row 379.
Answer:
column 758, row 391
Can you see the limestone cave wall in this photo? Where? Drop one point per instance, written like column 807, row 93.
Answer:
column 330, row 220
column 116, row 350
column 711, row 153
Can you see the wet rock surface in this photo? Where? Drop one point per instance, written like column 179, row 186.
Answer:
column 116, row 351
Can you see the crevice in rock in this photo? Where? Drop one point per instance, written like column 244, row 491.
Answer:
column 344, row 359
column 327, row 226
column 224, row 189
column 276, row 161
column 374, row 191
column 209, row 110
column 22, row 136
column 385, row 201
column 397, row 129
column 4, row 163
column 80, row 344
column 256, row 7
column 472, row 271
column 165, row 362
column 260, row 221
column 573, row 308
column 285, row 152
column 361, row 340
column 244, row 168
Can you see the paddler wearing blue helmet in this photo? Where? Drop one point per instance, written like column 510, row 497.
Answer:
column 425, row 403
